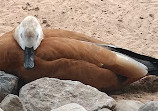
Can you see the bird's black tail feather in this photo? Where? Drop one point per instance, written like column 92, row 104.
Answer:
column 149, row 62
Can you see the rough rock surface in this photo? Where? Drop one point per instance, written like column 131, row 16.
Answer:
column 70, row 107
column 130, row 105
column 150, row 106
column 8, row 84
column 49, row 93
column 12, row 103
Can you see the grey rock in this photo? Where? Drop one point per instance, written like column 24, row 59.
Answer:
column 70, row 107
column 49, row 93
column 8, row 84
column 128, row 105
column 1, row 109
column 12, row 103
column 150, row 106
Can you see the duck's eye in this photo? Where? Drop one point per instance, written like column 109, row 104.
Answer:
column 21, row 35
column 37, row 35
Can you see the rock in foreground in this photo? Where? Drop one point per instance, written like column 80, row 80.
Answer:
column 8, row 84
column 49, row 93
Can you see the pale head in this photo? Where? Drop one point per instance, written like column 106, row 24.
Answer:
column 29, row 33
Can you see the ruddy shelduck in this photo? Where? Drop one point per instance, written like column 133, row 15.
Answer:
column 31, row 53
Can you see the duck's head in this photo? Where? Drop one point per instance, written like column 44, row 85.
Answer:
column 29, row 35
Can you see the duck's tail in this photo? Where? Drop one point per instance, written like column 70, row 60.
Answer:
column 150, row 62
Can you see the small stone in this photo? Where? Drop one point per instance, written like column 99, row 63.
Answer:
column 120, row 20
column 151, row 15
column 28, row 4
column 12, row 103
column 44, row 21
column 37, row 9
column 141, row 17
column 47, row 25
column 36, row 16
column 24, row 8
column 63, row 12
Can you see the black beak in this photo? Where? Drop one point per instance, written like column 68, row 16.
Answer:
column 29, row 58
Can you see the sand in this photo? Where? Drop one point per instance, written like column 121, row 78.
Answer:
column 131, row 24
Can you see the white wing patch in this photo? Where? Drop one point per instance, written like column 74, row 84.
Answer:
column 138, row 69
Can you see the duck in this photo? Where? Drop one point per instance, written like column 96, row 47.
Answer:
column 30, row 52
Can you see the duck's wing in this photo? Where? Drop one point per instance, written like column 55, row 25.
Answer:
column 56, row 48
column 70, row 34
column 150, row 62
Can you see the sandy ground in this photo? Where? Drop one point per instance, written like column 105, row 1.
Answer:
column 132, row 24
